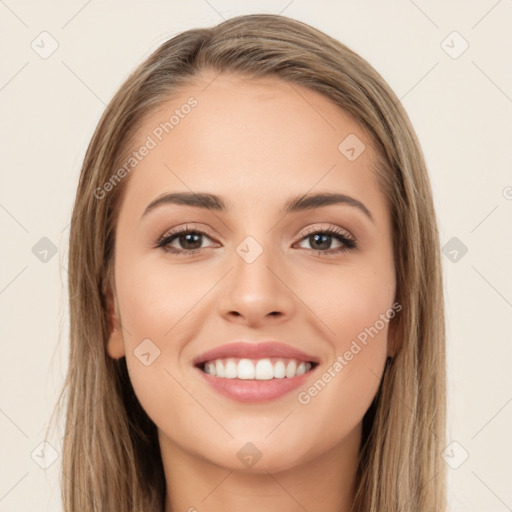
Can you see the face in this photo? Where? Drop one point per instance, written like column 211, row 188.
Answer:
column 317, row 278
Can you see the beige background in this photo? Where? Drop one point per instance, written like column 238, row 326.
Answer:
column 462, row 111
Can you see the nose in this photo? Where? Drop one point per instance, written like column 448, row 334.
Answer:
column 258, row 293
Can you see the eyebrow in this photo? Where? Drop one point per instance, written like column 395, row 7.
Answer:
column 295, row 204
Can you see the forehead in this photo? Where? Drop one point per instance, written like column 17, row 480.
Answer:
column 240, row 137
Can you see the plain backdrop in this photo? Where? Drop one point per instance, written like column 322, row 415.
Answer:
column 448, row 62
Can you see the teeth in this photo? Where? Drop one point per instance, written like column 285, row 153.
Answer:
column 211, row 368
column 261, row 369
column 231, row 370
column 301, row 368
column 279, row 370
column 264, row 369
column 246, row 369
column 291, row 368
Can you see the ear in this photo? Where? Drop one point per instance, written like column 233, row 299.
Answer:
column 115, row 343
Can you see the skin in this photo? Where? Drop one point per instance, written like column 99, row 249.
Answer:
column 256, row 143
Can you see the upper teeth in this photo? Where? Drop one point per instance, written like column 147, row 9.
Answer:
column 259, row 369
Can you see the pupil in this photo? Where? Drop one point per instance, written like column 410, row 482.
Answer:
column 321, row 240
column 192, row 241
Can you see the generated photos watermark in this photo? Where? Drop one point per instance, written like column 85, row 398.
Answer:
column 357, row 345
column 152, row 140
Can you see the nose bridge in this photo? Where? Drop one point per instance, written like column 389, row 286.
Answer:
column 257, row 250
column 252, row 262
column 254, row 290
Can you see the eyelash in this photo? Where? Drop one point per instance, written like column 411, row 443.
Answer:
column 349, row 243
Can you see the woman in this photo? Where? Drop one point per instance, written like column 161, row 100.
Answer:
column 256, row 305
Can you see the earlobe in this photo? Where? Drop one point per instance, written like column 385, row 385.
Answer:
column 115, row 343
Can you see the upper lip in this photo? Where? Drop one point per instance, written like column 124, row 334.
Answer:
column 259, row 350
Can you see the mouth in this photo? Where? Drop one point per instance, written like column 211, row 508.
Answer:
column 256, row 369
column 249, row 372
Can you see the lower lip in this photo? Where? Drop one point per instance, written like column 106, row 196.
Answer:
column 255, row 390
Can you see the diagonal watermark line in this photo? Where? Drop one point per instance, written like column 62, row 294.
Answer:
column 76, row 14
column 484, row 218
column 198, row 301
column 80, row 488
column 14, row 486
column 282, row 421
column 296, row 90
column 410, row 410
column 14, row 14
column 84, row 419
column 420, row 80
column 123, row 328
column 13, row 279
column 485, row 15
column 508, row 508
column 14, row 423
column 424, row 13
column 216, row 487
column 286, row 491
column 7, row 211
column 214, row 9
column 491, row 80
column 211, row 81
column 404, row 404
column 65, row 227
column 83, row 83
column 492, row 419
column 332, row 332
column 415, row 496
column 198, row 402
column 491, row 286
column 14, row 76
column 285, row 7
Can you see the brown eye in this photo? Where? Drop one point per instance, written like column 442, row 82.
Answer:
column 184, row 241
column 322, row 241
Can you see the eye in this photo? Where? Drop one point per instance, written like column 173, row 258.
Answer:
column 321, row 240
column 187, row 241
column 183, row 240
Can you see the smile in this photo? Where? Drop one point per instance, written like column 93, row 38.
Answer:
column 255, row 372
column 256, row 369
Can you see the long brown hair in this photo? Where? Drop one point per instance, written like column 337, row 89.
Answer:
column 111, row 457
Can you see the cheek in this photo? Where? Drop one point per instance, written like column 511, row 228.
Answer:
column 357, row 307
column 350, row 300
column 345, row 387
column 155, row 298
column 158, row 304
